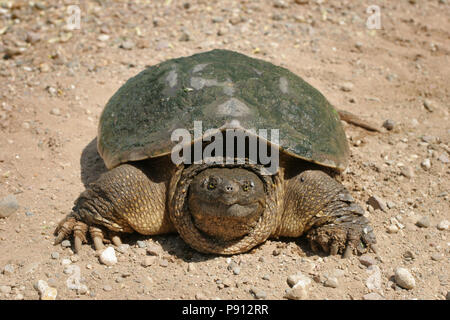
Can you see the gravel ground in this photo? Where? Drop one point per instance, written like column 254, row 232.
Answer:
column 56, row 80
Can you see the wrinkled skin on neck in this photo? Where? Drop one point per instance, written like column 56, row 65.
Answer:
column 226, row 203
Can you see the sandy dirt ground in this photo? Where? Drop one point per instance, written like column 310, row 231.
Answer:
column 55, row 81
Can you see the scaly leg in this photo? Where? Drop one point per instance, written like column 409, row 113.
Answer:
column 123, row 200
column 320, row 207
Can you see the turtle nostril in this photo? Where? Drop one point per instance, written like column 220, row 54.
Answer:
column 229, row 188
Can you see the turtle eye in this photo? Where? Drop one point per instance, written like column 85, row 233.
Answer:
column 211, row 185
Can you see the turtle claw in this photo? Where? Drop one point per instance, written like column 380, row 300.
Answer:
column 77, row 244
column 71, row 226
column 97, row 238
column 59, row 238
column 347, row 238
column 64, row 229
column 116, row 240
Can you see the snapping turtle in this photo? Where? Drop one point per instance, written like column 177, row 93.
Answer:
column 220, row 207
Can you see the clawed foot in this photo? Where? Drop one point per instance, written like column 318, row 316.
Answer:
column 349, row 236
column 70, row 225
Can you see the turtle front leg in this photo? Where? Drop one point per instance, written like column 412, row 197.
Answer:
column 123, row 200
column 320, row 207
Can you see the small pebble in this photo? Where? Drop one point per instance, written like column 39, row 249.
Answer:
column 8, row 269
column 107, row 288
column 280, row 4
column 408, row 172
column 55, row 111
column 66, row 244
column 65, row 262
column 367, row 260
column 373, row 282
column 200, row 296
column 409, row 255
column 392, row 229
column 32, row 37
column 296, row 293
column 436, row 257
column 127, row 45
column 5, row 289
column 298, row 279
column 389, row 124
column 153, row 250
column 222, row 31
column 227, row 282
column 236, row 270
column 331, row 282
column 217, row 19
column 123, row 248
column 404, row 278
column 164, row 263
column 103, row 37
column 426, row 164
column 68, row 270
column 372, row 296
column 140, row 251
column 443, row 158
column 423, row 222
column 390, row 204
column 19, row 296
column 429, row 105
column 443, row 225
column 148, row 261
column 347, row 86
column 191, row 267
column 108, row 256
column 377, row 203
column 428, row 139
column 52, row 282
column 40, row 286
column 8, row 205
column 259, row 294
column 83, row 289
column 141, row 244
column 185, row 36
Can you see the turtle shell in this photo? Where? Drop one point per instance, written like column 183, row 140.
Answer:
column 219, row 87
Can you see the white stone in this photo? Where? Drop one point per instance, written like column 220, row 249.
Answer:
column 298, row 279
column 108, row 256
column 49, row 294
column 443, row 225
column 404, row 278
column 300, row 285
column 65, row 262
column 331, row 282
column 103, row 37
column 392, row 229
column 41, row 286
column 426, row 164
column 55, row 111
column 373, row 283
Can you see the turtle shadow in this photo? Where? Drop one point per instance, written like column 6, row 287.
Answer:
column 171, row 245
column 92, row 165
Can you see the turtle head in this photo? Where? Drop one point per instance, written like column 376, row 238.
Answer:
column 226, row 203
